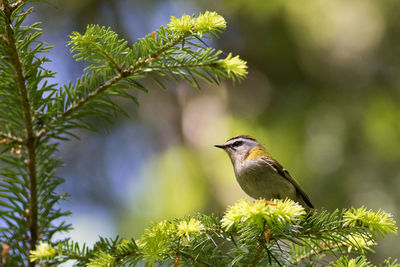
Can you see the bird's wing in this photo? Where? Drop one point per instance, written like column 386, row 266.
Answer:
column 285, row 174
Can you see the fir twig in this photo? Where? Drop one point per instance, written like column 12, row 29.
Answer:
column 194, row 259
column 82, row 102
column 318, row 251
column 257, row 254
column 108, row 57
column 15, row 5
column 134, row 69
column 8, row 138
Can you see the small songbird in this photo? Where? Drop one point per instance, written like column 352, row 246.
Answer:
column 260, row 175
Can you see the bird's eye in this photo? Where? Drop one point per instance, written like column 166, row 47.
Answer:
column 237, row 143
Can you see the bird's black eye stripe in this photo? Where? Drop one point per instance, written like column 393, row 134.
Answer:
column 237, row 143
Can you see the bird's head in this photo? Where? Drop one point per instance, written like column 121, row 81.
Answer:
column 242, row 148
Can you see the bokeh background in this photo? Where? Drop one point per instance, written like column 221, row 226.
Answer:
column 322, row 94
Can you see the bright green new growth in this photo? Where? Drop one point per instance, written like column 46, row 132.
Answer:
column 234, row 66
column 157, row 240
column 361, row 261
column 209, row 22
column 184, row 24
column 275, row 214
column 380, row 222
column 189, row 229
column 360, row 242
column 43, row 252
column 345, row 261
column 101, row 259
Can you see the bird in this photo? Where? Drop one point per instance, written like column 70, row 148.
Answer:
column 259, row 174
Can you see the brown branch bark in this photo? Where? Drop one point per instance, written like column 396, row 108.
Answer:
column 257, row 255
column 30, row 140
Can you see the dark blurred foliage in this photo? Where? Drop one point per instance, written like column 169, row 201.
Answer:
column 322, row 94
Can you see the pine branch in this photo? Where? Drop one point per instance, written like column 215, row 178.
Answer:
column 108, row 57
column 15, row 5
column 162, row 53
column 257, row 254
column 29, row 133
column 185, row 66
column 8, row 138
column 189, row 241
column 134, row 69
column 194, row 259
column 318, row 251
column 81, row 103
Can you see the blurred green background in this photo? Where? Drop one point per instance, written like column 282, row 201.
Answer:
column 322, row 94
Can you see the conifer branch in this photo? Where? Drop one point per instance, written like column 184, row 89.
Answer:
column 8, row 138
column 157, row 53
column 190, row 240
column 257, row 254
column 82, row 102
column 108, row 57
column 15, row 5
column 74, row 256
column 188, row 66
column 30, row 139
column 134, row 69
column 198, row 261
column 318, row 251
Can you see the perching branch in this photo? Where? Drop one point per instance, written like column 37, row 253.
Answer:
column 192, row 238
column 257, row 254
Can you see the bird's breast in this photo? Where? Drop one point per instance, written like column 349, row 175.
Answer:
column 260, row 180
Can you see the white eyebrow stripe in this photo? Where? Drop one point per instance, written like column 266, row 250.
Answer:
column 242, row 139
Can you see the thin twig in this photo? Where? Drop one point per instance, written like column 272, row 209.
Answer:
column 108, row 57
column 15, row 5
column 257, row 255
column 30, row 139
column 195, row 259
column 74, row 256
column 181, row 66
column 318, row 251
column 8, row 138
column 313, row 232
column 177, row 259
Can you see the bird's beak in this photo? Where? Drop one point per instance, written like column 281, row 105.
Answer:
column 220, row 146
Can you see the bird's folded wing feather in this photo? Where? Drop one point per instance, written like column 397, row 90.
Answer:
column 285, row 174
